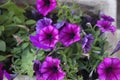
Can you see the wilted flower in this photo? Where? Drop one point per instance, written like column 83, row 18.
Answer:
column 109, row 69
column 87, row 42
column 51, row 69
column 105, row 26
column 46, row 6
column 107, row 18
column 43, row 23
column 36, row 65
column 49, row 36
column 117, row 48
column 35, row 42
column 70, row 34
column 88, row 19
column 59, row 25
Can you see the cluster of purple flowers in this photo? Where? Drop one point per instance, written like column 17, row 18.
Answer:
column 49, row 70
column 48, row 34
column 105, row 24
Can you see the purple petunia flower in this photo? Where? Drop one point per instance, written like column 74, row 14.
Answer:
column 49, row 36
column 43, row 23
column 4, row 73
column 46, row 6
column 87, row 42
column 105, row 26
column 46, row 38
column 35, row 41
column 51, row 69
column 70, row 34
column 109, row 69
column 107, row 18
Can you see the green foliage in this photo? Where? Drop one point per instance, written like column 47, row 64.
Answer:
column 2, row 58
column 69, row 13
column 14, row 35
column 30, row 22
column 27, row 64
column 2, row 46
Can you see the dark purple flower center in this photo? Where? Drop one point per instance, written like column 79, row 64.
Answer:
column 109, row 69
column 55, row 69
column 49, row 36
column 47, row 2
column 72, row 35
column 105, row 26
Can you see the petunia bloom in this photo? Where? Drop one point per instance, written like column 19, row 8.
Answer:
column 51, row 69
column 4, row 73
column 109, row 69
column 49, row 36
column 87, row 42
column 106, row 18
column 105, row 26
column 46, row 6
column 69, row 34
column 35, row 42
column 43, row 23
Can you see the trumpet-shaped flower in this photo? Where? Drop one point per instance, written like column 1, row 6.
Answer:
column 43, row 23
column 46, row 6
column 105, row 26
column 51, row 69
column 109, row 69
column 70, row 34
column 106, row 18
column 46, row 38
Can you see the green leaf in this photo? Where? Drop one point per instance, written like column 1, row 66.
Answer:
column 17, row 19
column 2, row 46
column 30, row 22
column 2, row 28
column 27, row 64
column 2, row 58
column 25, row 45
